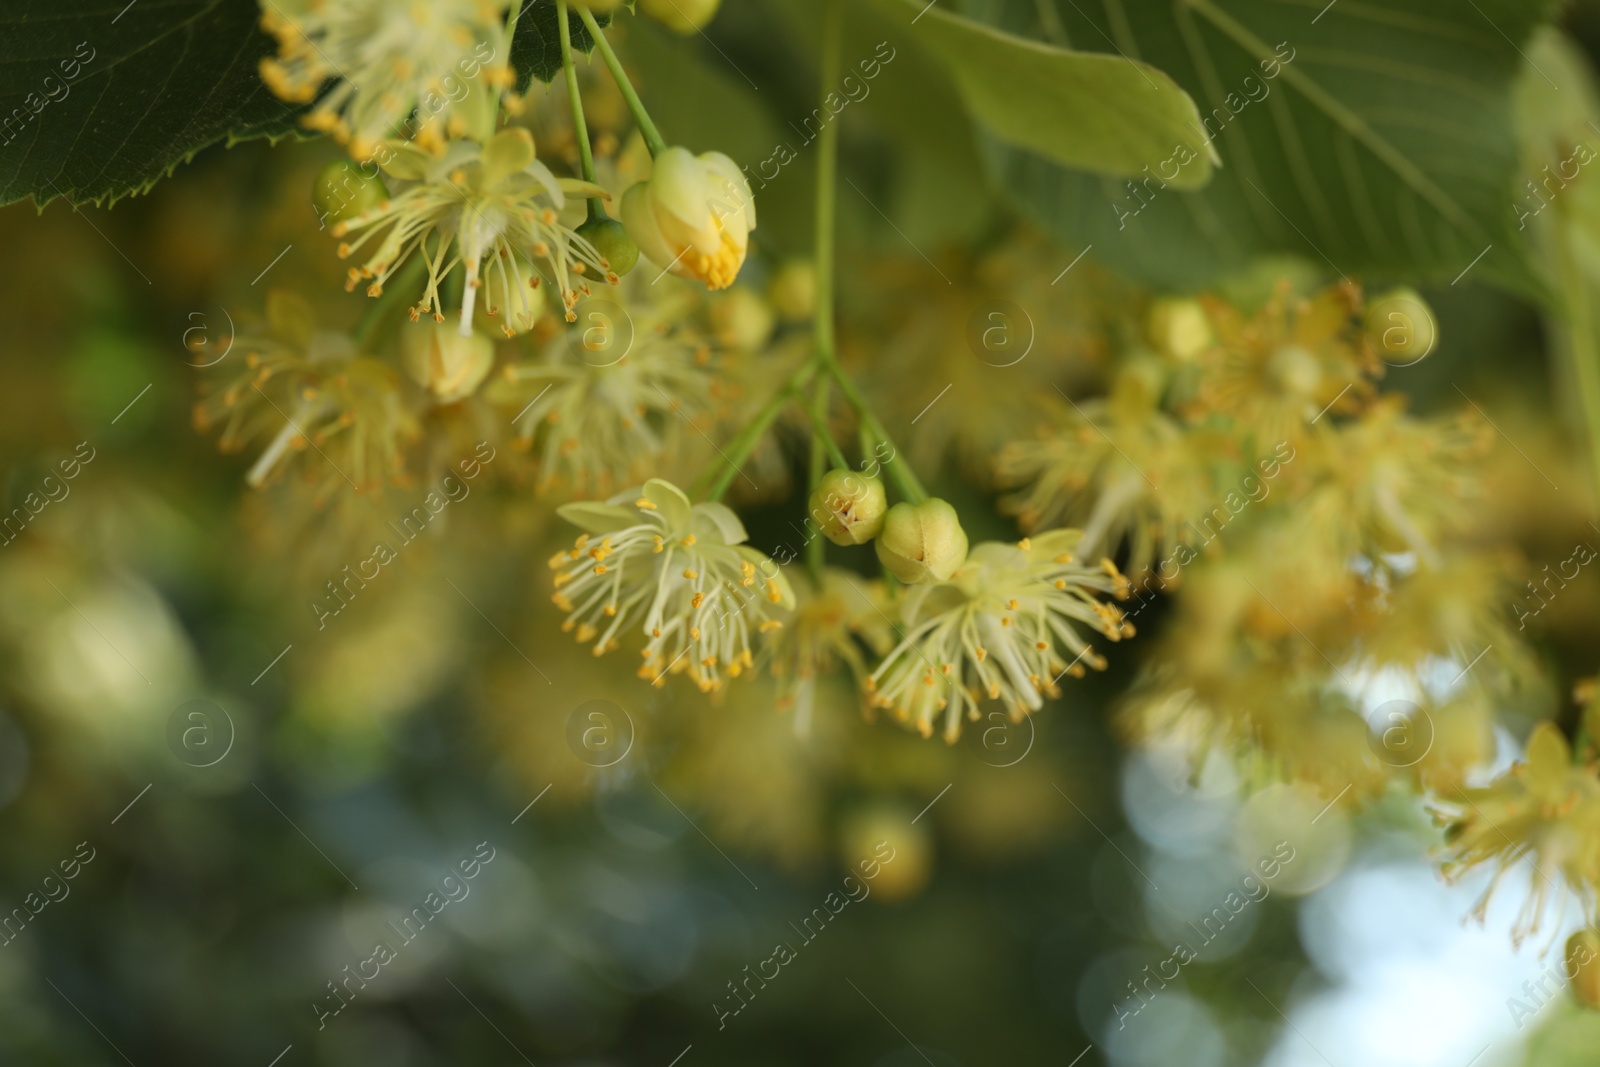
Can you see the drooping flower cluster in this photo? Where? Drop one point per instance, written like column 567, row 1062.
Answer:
column 1004, row 627
column 305, row 388
column 830, row 622
column 613, row 399
column 492, row 208
column 1276, row 371
column 1547, row 808
column 1121, row 469
column 681, row 573
column 423, row 71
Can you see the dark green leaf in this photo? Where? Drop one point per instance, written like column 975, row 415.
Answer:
column 100, row 98
column 1385, row 146
column 536, row 46
column 1082, row 109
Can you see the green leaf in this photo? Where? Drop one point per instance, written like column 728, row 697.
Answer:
column 536, row 45
column 1080, row 109
column 100, row 98
column 1384, row 146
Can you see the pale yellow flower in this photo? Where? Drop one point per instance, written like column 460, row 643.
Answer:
column 1003, row 628
column 680, row 572
column 423, row 71
column 693, row 216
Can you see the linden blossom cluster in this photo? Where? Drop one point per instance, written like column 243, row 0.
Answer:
column 385, row 58
column 1231, row 906
column 1184, row 553
column 681, row 572
column 331, row 201
column 784, row 953
column 418, row 917
column 454, row 490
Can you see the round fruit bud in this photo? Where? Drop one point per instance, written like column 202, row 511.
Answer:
column 342, row 192
column 1583, row 966
column 1179, row 328
column 741, row 320
column 793, row 291
column 685, row 16
column 1295, row 370
column 922, row 542
column 848, row 507
column 1401, row 326
column 611, row 240
column 881, row 842
column 439, row 359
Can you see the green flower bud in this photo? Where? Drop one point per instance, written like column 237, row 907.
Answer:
column 1179, row 328
column 849, row 507
column 1583, row 966
column 741, row 320
column 685, row 16
column 610, row 238
column 1401, row 326
column 342, row 192
column 922, row 542
column 439, row 359
column 793, row 290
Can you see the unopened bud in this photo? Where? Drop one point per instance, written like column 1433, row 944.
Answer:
column 793, row 290
column 849, row 507
column 685, row 16
column 1179, row 328
column 610, row 238
column 922, row 542
column 342, row 192
column 741, row 320
column 1583, row 966
column 439, row 359
column 1401, row 326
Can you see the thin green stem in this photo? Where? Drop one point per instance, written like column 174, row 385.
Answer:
column 580, row 128
column 898, row 468
column 821, row 442
column 827, row 255
column 822, row 323
column 827, row 190
column 730, row 461
column 819, row 422
column 647, row 129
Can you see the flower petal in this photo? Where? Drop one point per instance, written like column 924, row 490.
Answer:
column 639, row 217
column 721, row 518
column 507, row 153
column 743, row 200
column 672, row 504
